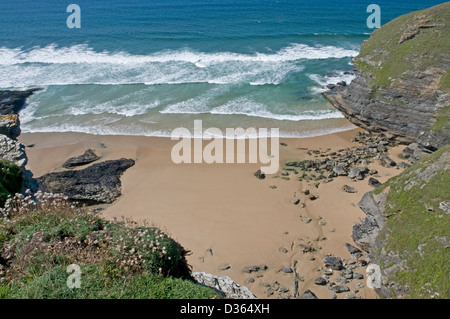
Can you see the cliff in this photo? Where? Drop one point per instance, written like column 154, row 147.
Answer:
column 406, row 231
column 11, row 102
column 402, row 84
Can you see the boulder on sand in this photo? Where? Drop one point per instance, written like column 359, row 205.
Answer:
column 95, row 184
column 86, row 158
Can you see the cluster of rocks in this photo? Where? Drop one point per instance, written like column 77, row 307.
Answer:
column 351, row 162
column 272, row 288
column 337, row 274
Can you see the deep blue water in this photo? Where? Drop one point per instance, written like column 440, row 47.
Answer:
column 146, row 67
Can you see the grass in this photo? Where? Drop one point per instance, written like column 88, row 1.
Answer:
column 98, row 282
column 387, row 60
column 442, row 120
column 117, row 259
column 414, row 232
column 444, row 83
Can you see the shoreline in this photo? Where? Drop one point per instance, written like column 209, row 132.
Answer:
column 226, row 217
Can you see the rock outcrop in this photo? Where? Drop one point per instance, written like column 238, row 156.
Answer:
column 11, row 102
column 13, row 151
column 402, row 84
column 99, row 183
column 10, row 125
column 223, row 284
column 86, row 158
column 10, row 149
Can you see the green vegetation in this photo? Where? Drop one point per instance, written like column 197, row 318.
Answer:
column 99, row 283
column 417, row 228
column 442, row 120
column 387, row 60
column 445, row 81
column 11, row 178
column 117, row 259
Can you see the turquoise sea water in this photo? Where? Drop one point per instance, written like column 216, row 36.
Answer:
column 147, row 67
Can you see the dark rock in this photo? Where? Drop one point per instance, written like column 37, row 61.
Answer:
column 339, row 289
column 86, row 158
column 98, row 183
column 340, row 170
column 308, row 294
column 295, row 201
column 356, row 173
column 349, row 189
column 355, row 252
column 251, row 269
column 403, row 165
column 292, row 163
column 342, row 83
column 414, row 152
column 11, row 102
column 287, row 270
column 225, row 267
column 307, row 248
column 374, row 182
column 357, row 276
column 320, row 281
column 386, row 160
column 333, row 262
column 259, row 174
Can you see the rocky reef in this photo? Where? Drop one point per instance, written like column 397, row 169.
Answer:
column 402, row 84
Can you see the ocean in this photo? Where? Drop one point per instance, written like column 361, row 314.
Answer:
column 147, row 67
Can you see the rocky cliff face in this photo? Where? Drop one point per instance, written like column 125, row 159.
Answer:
column 406, row 231
column 402, row 83
column 10, row 149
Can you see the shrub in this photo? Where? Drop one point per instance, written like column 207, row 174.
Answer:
column 43, row 234
column 11, row 178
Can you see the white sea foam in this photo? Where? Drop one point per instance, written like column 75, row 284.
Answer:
column 332, row 78
column 243, row 106
column 80, row 64
column 125, row 130
column 79, row 54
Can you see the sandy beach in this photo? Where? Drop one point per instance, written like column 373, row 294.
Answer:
column 222, row 213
